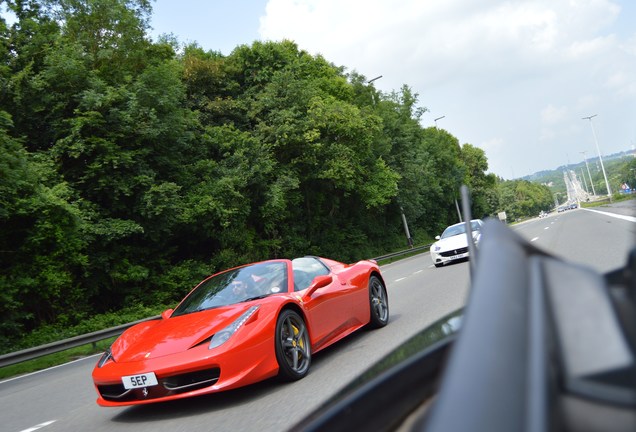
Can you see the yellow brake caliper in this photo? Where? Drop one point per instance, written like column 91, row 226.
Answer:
column 301, row 343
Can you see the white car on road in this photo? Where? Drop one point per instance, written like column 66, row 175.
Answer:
column 452, row 245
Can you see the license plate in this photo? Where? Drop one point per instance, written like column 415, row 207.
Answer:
column 454, row 257
column 139, row 381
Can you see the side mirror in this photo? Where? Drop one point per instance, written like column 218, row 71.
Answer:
column 318, row 282
column 437, row 237
column 166, row 314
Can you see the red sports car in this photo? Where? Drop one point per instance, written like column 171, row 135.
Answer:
column 241, row 326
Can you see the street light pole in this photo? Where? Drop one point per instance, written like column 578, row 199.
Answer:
column 409, row 239
column 584, row 182
column 609, row 192
column 371, row 81
column 459, row 214
column 588, row 172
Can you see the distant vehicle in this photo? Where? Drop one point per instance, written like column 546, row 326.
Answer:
column 568, row 206
column 241, row 326
column 452, row 245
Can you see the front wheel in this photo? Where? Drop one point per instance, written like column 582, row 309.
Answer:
column 379, row 303
column 293, row 348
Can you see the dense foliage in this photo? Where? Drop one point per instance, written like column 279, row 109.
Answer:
column 131, row 168
column 521, row 198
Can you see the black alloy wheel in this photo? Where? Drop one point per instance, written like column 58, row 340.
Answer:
column 293, row 348
column 379, row 303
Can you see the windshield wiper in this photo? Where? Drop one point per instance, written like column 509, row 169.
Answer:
column 255, row 297
column 202, row 308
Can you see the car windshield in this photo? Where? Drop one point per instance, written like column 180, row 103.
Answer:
column 460, row 228
column 236, row 286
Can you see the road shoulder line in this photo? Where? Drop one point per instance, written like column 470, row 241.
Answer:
column 618, row 216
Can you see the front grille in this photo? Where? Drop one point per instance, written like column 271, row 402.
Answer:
column 454, row 252
column 167, row 386
column 112, row 391
column 191, row 381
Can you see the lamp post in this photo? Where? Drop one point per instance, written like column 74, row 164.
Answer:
column 409, row 239
column 370, row 82
column 584, row 182
column 588, row 172
column 609, row 192
column 459, row 214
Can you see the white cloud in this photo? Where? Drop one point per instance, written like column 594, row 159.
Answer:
column 492, row 145
column 552, row 115
column 589, row 48
column 629, row 46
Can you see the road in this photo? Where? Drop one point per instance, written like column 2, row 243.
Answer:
column 63, row 398
column 598, row 237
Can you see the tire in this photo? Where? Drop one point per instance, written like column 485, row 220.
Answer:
column 293, row 347
column 379, row 303
column 438, row 265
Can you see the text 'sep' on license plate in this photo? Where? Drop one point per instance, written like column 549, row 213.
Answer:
column 138, row 381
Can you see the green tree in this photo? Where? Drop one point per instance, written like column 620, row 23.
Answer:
column 481, row 184
column 42, row 248
column 132, row 168
column 522, row 198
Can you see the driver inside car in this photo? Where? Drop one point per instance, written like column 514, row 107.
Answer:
column 242, row 289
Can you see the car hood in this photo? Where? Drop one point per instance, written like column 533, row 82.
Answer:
column 454, row 242
column 161, row 337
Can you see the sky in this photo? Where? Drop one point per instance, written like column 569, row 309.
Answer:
column 514, row 78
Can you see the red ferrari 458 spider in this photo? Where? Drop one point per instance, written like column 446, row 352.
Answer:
column 241, row 326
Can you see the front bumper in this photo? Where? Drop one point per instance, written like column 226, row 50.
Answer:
column 443, row 257
column 195, row 372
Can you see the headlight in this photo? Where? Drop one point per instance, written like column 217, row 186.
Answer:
column 223, row 335
column 104, row 358
column 436, row 248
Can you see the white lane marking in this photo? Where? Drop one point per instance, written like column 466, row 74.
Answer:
column 546, row 228
column 419, row 271
column 397, row 280
column 614, row 215
column 47, row 369
column 40, row 426
column 535, row 239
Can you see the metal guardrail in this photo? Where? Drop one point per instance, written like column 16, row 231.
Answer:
column 404, row 252
column 53, row 347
